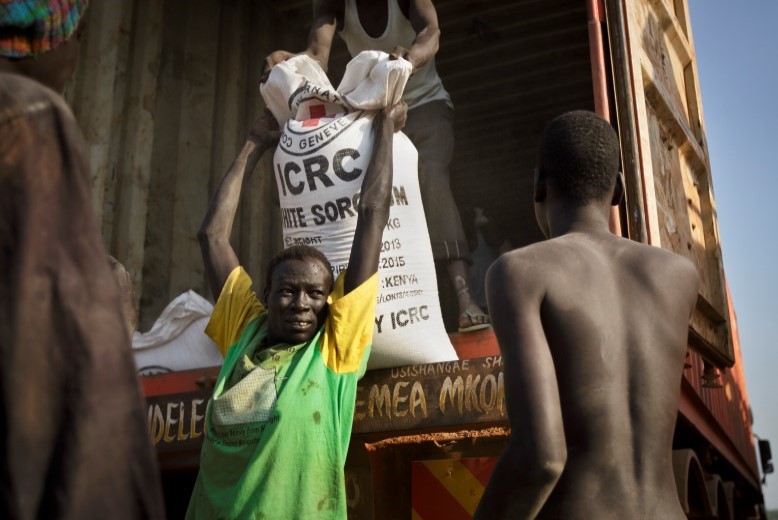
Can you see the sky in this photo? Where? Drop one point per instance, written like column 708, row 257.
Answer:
column 736, row 45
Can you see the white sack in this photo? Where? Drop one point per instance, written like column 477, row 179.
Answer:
column 177, row 341
column 319, row 164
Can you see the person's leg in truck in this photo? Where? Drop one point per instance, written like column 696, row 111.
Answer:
column 431, row 128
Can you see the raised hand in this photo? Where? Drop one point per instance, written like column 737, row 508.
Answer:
column 397, row 113
column 398, row 52
column 273, row 59
column 264, row 132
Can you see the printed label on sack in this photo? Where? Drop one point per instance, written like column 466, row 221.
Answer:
column 319, row 166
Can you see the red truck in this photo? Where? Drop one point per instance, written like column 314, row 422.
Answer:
column 165, row 108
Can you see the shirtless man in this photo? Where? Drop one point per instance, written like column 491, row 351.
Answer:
column 592, row 329
column 409, row 29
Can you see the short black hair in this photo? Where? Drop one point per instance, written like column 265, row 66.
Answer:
column 298, row 253
column 579, row 155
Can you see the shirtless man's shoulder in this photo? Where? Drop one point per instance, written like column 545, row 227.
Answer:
column 551, row 261
column 667, row 273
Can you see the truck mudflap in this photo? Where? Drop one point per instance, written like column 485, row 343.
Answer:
column 448, row 488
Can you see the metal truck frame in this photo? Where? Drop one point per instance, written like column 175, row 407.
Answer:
column 164, row 96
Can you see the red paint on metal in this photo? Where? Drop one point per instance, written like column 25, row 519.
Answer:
column 430, row 499
column 178, row 382
column 597, row 56
column 595, row 18
column 722, row 415
column 480, row 467
column 711, row 426
column 479, row 343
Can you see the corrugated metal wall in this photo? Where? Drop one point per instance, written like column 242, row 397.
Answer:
column 511, row 67
column 164, row 94
column 166, row 90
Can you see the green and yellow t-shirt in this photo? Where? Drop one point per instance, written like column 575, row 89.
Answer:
column 279, row 422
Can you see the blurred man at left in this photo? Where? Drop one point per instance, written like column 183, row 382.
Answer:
column 73, row 442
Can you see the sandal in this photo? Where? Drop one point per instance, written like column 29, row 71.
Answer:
column 473, row 325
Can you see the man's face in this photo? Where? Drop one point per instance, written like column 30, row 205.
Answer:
column 297, row 300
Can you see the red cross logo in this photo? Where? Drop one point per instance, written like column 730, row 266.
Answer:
column 316, row 113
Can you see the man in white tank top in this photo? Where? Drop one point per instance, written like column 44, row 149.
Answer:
column 409, row 29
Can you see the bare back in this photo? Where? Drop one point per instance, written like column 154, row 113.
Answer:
column 614, row 314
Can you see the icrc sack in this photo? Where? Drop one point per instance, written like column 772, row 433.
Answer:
column 324, row 151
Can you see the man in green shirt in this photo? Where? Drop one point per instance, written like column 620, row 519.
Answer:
column 279, row 422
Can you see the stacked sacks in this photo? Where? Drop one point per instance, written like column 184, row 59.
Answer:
column 324, row 150
column 177, row 341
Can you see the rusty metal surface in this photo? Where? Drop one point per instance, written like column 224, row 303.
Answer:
column 433, row 397
column 468, row 391
column 416, row 397
column 176, row 422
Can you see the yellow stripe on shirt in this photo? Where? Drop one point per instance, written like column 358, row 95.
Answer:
column 349, row 329
column 236, row 307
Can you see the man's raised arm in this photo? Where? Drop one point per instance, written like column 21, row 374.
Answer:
column 533, row 462
column 326, row 15
column 374, row 199
column 424, row 20
column 214, row 235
